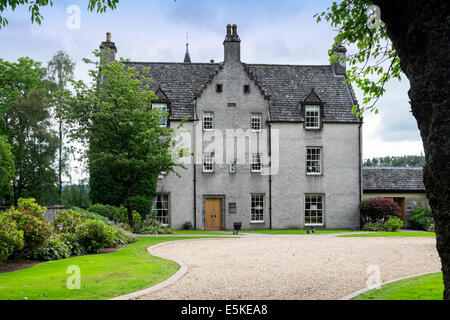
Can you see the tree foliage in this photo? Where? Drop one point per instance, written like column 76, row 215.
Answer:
column 112, row 117
column 374, row 60
column 34, row 7
column 25, row 120
column 60, row 70
column 402, row 161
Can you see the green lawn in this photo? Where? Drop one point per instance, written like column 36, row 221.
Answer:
column 392, row 234
column 103, row 276
column 428, row 287
column 293, row 231
column 201, row 233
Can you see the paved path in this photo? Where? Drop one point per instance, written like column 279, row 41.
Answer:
column 319, row 267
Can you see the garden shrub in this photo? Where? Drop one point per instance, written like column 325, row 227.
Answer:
column 141, row 205
column 30, row 207
column 374, row 226
column 35, row 231
column 393, row 223
column 68, row 221
column 422, row 218
column 431, row 228
column 72, row 241
column 52, row 249
column 96, row 235
column 11, row 238
column 378, row 209
column 109, row 212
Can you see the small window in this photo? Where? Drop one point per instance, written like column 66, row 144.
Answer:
column 232, row 105
column 219, row 88
column 257, row 208
column 246, row 89
column 232, row 209
column 313, row 210
column 313, row 161
column 256, row 122
column 161, row 209
column 256, row 162
column 312, row 117
column 162, row 108
column 208, row 162
column 208, row 121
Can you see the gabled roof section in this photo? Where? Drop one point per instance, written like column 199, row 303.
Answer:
column 387, row 179
column 180, row 82
column 312, row 98
column 288, row 85
column 162, row 97
column 284, row 86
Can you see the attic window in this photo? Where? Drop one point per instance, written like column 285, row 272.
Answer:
column 219, row 88
column 312, row 117
column 247, row 89
column 232, row 105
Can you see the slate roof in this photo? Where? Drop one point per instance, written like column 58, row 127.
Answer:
column 180, row 82
column 285, row 86
column 288, row 85
column 384, row 179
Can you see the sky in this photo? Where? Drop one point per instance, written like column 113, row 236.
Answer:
column 275, row 32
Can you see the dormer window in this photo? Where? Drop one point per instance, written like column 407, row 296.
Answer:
column 312, row 117
column 162, row 109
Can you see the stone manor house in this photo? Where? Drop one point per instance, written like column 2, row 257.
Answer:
column 300, row 159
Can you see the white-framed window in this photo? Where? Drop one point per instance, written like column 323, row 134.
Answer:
column 208, row 121
column 162, row 108
column 256, row 122
column 161, row 209
column 256, row 162
column 208, row 162
column 313, row 161
column 257, row 208
column 314, row 207
column 312, row 117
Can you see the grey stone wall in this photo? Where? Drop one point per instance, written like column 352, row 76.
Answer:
column 339, row 183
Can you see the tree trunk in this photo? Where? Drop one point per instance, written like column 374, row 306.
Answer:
column 420, row 33
column 60, row 162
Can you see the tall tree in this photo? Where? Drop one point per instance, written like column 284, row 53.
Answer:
column 7, row 170
column 412, row 37
column 26, row 122
column 60, row 69
column 34, row 6
column 113, row 118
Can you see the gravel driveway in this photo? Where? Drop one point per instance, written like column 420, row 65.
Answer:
column 303, row 267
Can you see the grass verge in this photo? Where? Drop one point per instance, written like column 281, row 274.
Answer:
column 427, row 287
column 391, row 234
column 293, row 231
column 103, row 276
column 201, row 233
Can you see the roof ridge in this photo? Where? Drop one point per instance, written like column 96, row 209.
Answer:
column 289, row 65
column 180, row 63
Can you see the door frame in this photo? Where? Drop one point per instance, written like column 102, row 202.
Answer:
column 213, row 196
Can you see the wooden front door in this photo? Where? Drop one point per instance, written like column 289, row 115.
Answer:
column 213, row 214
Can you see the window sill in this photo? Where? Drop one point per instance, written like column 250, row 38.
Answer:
column 314, row 224
column 259, row 171
column 208, row 171
column 257, row 222
column 314, row 174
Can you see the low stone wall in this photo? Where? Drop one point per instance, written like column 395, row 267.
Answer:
column 50, row 214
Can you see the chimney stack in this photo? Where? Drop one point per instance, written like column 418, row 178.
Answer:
column 108, row 49
column 232, row 46
column 340, row 66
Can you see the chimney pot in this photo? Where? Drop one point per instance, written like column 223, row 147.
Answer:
column 108, row 37
column 229, row 29
column 212, row 61
column 234, row 29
